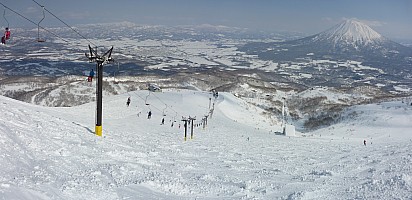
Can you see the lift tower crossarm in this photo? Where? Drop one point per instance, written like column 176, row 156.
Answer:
column 100, row 60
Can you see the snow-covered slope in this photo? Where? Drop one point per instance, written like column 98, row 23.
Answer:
column 52, row 153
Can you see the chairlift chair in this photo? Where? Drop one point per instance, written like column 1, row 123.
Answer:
column 114, row 75
column 38, row 28
column 145, row 101
column 4, row 16
column 174, row 118
column 164, row 114
column 6, row 35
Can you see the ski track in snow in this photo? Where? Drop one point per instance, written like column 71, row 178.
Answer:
column 52, row 153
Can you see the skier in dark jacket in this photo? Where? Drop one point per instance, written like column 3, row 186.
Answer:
column 128, row 102
column 91, row 75
column 149, row 115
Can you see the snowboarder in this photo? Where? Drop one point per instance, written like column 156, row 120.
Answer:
column 149, row 115
column 364, row 142
column 128, row 102
column 91, row 75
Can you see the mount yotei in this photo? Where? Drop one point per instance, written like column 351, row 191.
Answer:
column 349, row 40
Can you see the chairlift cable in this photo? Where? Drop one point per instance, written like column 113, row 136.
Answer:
column 34, row 23
column 4, row 16
column 164, row 114
column 164, row 103
column 145, row 100
column 38, row 27
column 159, row 99
column 167, row 106
column 65, row 23
column 114, row 73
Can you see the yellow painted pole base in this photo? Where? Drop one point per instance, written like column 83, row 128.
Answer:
column 99, row 130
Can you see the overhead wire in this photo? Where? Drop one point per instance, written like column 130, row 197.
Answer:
column 43, row 28
column 34, row 22
column 4, row 16
column 168, row 107
column 38, row 29
column 64, row 23
column 74, row 30
column 150, row 105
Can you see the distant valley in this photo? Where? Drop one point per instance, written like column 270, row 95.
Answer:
column 262, row 68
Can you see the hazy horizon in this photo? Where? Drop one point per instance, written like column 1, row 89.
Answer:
column 389, row 18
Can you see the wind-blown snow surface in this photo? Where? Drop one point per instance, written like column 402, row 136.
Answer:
column 51, row 153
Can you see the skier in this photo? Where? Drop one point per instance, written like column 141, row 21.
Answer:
column 364, row 142
column 7, row 34
column 91, row 75
column 128, row 102
column 149, row 115
column 163, row 121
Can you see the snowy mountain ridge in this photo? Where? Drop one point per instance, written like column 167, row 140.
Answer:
column 351, row 32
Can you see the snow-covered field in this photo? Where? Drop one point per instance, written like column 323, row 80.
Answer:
column 52, row 153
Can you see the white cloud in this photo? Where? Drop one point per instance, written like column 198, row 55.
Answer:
column 31, row 10
column 372, row 23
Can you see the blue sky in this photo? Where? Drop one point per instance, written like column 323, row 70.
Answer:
column 391, row 18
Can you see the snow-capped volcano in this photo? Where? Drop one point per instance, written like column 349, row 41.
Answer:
column 354, row 39
column 351, row 32
column 349, row 40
